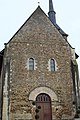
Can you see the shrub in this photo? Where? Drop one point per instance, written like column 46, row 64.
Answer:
column 76, row 116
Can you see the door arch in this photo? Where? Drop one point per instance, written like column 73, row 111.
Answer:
column 43, row 101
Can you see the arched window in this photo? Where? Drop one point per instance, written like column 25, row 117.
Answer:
column 52, row 65
column 31, row 64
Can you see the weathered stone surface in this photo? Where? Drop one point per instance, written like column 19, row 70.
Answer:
column 39, row 38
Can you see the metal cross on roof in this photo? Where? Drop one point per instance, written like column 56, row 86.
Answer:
column 38, row 3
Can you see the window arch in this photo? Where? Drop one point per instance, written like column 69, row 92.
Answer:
column 52, row 64
column 31, row 64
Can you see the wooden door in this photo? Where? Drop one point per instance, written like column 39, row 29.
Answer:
column 43, row 103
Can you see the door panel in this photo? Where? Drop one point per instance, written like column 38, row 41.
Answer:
column 44, row 101
column 47, row 111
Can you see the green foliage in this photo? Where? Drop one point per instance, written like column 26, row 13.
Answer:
column 39, row 107
column 36, row 117
column 73, row 102
column 76, row 116
column 79, row 107
column 36, row 110
column 78, row 111
column 33, row 103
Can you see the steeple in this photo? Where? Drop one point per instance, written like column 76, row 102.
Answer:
column 51, row 12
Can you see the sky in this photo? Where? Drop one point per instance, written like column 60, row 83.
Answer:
column 13, row 13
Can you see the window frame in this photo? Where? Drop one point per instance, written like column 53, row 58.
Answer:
column 49, row 65
column 52, row 65
column 31, row 64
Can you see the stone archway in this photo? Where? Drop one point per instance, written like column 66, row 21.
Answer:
column 33, row 94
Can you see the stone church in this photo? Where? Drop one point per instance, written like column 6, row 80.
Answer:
column 38, row 72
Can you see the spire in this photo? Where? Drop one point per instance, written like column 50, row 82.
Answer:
column 51, row 12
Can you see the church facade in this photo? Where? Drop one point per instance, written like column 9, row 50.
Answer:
column 39, row 73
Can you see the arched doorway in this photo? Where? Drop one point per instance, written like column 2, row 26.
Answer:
column 43, row 102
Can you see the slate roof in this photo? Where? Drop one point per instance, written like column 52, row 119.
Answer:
column 61, row 31
column 52, row 17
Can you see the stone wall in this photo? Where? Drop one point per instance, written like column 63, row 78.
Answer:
column 1, row 61
column 38, row 38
